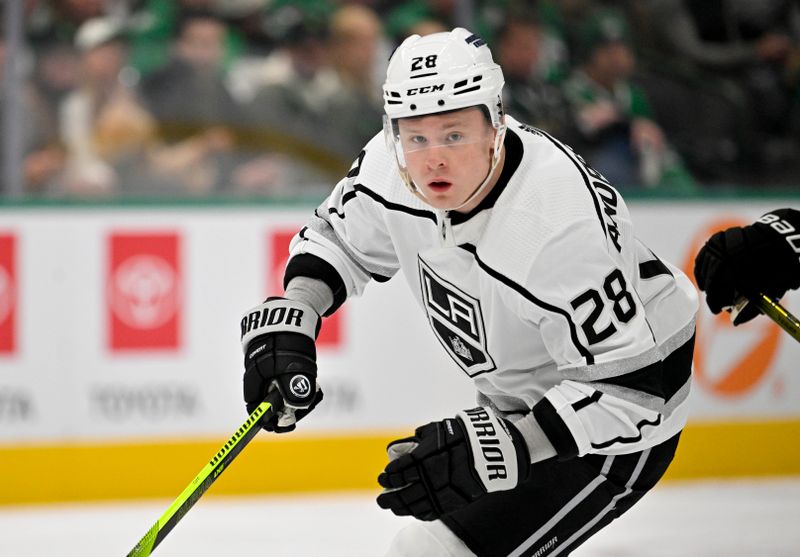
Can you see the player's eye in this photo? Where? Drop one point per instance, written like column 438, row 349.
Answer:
column 454, row 137
column 418, row 139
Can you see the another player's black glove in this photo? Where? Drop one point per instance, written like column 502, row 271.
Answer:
column 278, row 339
column 746, row 260
column 449, row 464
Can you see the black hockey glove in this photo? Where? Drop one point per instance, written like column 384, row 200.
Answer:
column 278, row 339
column 743, row 261
column 449, row 464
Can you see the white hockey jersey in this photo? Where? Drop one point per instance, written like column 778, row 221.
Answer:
column 542, row 295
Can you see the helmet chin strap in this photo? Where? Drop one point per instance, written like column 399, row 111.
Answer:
column 497, row 149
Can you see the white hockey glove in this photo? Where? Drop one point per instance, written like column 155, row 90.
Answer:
column 449, row 464
column 278, row 339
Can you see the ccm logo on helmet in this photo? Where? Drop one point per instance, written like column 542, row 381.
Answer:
column 426, row 89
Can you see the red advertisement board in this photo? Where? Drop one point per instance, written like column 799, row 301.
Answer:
column 330, row 335
column 144, row 291
column 8, row 293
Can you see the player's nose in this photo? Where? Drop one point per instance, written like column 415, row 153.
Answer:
column 435, row 158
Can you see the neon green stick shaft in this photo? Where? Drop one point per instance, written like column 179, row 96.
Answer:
column 206, row 477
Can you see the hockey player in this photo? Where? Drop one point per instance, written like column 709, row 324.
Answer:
column 743, row 261
column 577, row 337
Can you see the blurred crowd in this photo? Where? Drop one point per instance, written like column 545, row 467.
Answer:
column 276, row 97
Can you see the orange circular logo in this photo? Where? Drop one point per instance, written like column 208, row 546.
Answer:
column 716, row 369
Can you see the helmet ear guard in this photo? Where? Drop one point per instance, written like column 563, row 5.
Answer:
column 442, row 72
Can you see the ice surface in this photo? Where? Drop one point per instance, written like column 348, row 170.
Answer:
column 680, row 519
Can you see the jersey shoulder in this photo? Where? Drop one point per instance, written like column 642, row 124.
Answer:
column 375, row 173
column 553, row 198
column 553, row 181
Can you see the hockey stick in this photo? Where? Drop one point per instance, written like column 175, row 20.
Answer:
column 779, row 315
column 774, row 311
column 207, row 476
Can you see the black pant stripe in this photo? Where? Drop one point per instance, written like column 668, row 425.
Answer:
column 540, row 534
column 590, row 517
column 550, row 535
column 562, row 504
column 601, row 519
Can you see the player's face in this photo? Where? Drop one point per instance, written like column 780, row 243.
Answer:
column 448, row 155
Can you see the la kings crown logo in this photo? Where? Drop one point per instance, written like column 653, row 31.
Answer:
column 457, row 321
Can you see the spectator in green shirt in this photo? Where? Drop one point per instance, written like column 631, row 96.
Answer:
column 618, row 134
column 527, row 95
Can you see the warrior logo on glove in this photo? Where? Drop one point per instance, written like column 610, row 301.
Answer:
column 484, row 434
column 300, row 386
column 449, row 464
column 279, row 353
column 266, row 316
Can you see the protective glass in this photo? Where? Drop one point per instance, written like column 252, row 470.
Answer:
column 409, row 141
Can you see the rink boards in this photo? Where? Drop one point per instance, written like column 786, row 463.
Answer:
column 119, row 357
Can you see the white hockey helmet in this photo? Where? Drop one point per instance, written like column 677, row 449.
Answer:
column 437, row 73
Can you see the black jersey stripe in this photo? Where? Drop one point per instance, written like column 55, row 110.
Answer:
column 678, row 368
column 388, row 205
column 623, row 440
column 648, row 379
column 573, row 330
column 663, row 378
column 584, row 402
column 345, row 198
column 312, row 266
column 653, row 268
column 555, row 429
column 348, row 196
column 582, row 172
column 334, row 211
